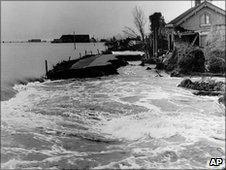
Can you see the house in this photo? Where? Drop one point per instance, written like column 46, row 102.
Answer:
column 35, row 40
column 72, row 38
column 194, row 25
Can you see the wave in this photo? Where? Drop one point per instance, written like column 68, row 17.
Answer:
column 7, row 88
column 7, row 93
column 30, row 79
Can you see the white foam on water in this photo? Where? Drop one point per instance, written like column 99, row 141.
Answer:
column 10, row 164
column 159, row 125
column 145, row 163
column 19, row 111
column 164, row 157
column 128, row 52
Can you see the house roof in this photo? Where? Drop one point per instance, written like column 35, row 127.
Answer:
column 190, row 12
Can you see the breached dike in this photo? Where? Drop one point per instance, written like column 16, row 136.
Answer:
column 90, row 66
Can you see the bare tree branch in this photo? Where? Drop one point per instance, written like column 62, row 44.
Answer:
column 130, row 32
column 139, row 22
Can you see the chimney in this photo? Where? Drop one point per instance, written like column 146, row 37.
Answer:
column 197, row 2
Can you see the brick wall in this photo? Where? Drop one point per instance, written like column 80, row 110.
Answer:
column 194, row 22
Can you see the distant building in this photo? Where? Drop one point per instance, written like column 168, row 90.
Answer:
column 93, row 39
column 194, row 25
column 35, row 40
column 72, row 38
column 103, row 40
column 56, row 41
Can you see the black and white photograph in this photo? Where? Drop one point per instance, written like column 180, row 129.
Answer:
column 113, row 84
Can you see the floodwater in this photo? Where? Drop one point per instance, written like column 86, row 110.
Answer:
column 21, row 62
column 131, row 120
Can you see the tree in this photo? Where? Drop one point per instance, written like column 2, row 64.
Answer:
column 157, row 29
column 139, row 23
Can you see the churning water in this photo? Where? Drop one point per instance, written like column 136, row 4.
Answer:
column 131, row 120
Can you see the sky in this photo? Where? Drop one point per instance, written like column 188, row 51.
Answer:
column 23, row 20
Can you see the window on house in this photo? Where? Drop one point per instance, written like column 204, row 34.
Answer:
column 205, row 19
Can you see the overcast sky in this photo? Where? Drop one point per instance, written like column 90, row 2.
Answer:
column 22, row 20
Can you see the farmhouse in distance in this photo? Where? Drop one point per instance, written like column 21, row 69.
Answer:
column 70, row 38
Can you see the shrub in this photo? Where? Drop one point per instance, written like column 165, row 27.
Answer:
column 185, row 58
column 150, row 61
column 124, row 44
column 171, row 60
column 193, row 60
column 216, row 65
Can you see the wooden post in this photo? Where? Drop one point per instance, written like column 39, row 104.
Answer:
column 85, row 52
column 74, row 40
column 91, row 52
column 69, row 58
column 98, row 51
column 46, row 66
column 80, row 55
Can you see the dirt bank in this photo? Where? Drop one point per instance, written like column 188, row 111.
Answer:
column 92, row 66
